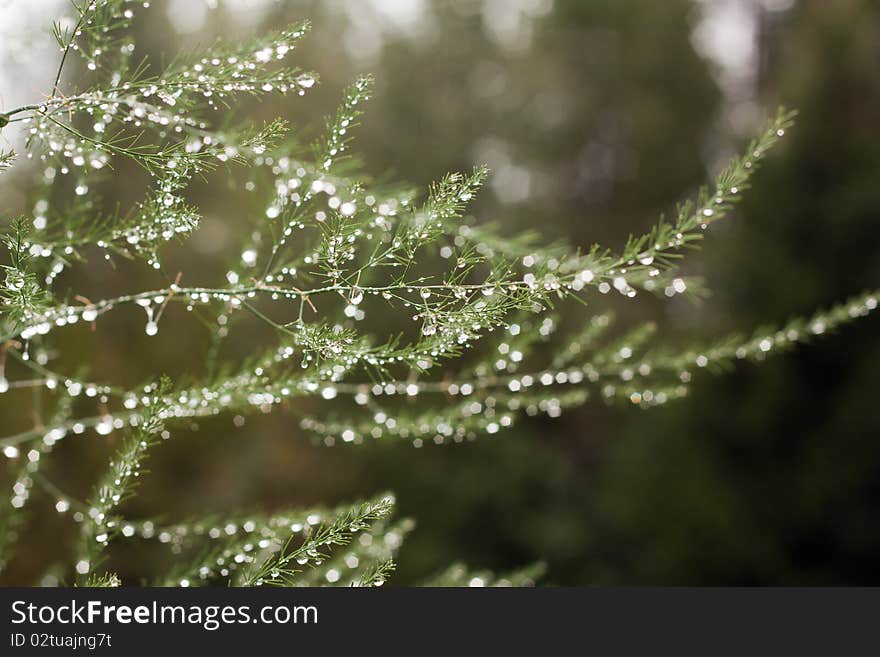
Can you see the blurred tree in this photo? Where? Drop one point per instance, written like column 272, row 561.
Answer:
column 771, row 477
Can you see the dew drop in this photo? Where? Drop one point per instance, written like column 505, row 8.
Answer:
column 152, row 328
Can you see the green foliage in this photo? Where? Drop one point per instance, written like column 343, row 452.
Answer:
column 6, row 157
column 469, row 305
column 458, row 575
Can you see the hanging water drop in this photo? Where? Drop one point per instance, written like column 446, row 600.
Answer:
column 14, row 280
column 152, row 327
column 357, row 295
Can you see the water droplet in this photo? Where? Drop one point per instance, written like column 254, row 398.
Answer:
column 357, row 295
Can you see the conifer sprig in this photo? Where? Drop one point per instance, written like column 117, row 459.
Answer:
column 469, row 337
column 102, row 523
column 459, row 575
column 6, row 159
column 284, row 563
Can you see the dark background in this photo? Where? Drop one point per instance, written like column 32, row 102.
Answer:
column 606, row 112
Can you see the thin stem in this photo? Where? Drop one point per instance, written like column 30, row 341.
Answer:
column 144, row 159
column 57, row 493
column 79, row 23
column 179, row 294
column 23, row 108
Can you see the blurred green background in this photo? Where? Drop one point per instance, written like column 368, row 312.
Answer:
column 595, row 116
